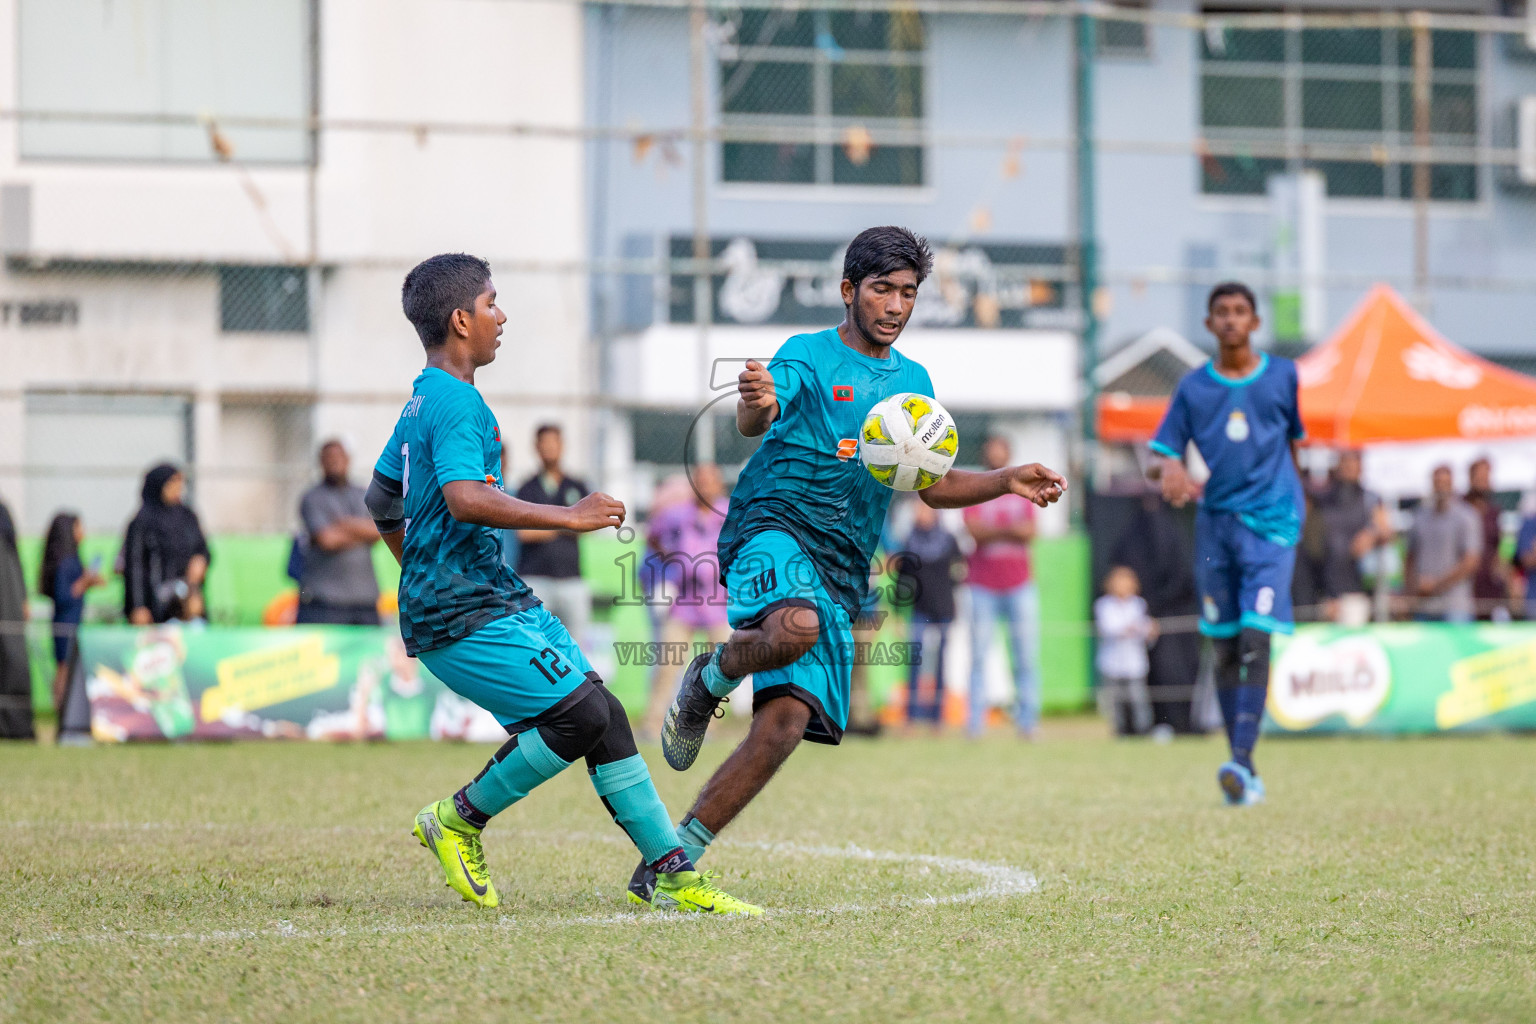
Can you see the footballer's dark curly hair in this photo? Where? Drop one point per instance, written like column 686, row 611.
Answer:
column 436, row 287
column 1231, row 288
column 882, row 250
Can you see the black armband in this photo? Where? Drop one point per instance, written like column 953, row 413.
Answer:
column 386, row 503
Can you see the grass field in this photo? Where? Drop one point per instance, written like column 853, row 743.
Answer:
column 1383, row 881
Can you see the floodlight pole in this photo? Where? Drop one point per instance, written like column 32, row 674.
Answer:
column 1087, row 236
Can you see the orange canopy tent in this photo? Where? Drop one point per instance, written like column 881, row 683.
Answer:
column 1385, row 375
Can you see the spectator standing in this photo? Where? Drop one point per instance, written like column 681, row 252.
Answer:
column 1155, row 546
column 927, row 568
column 15, row 670
column 1125, row 630
column 1490, row 583
column 684, row 537
column 338, row 586
column 1307, row 594
column 550, row 560
column 1445, row 546
column 64, row 581
column 165, row 556
column 1355, row 524
column 1002, row 586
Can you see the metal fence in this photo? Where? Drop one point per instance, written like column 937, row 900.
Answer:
column 1081, row 168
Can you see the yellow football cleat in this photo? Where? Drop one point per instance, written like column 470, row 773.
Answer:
column 695, row 892
column 460, row 854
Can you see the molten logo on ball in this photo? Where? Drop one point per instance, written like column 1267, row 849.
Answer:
column 909, row 442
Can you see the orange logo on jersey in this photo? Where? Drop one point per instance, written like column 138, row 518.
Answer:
column 847, row 448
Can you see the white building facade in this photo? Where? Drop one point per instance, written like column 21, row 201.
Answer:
column 206, row 212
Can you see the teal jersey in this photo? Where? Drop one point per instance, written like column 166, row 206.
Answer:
column 452, row 577
column 795, row 482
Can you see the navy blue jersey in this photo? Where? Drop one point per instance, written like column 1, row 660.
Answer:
column 452, row 577
column 796, row 481
column 1243, row 429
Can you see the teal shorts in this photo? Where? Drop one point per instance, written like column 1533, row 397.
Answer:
column 770, row 572
column 516, row 667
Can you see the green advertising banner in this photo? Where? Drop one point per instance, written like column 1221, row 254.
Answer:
column 303, row 682
column 1404, row 678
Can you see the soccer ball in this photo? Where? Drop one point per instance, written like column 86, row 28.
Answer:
column 908, row 442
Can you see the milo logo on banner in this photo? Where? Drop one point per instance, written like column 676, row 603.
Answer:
column 1349, row 676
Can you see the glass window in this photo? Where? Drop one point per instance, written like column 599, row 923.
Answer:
column 1447, row 182
column 1352, row 178
column 1122, row 38
column 1341, row 46
column 182, row 58
column 769, row 161
column 847, row 75
column 1333, row 88
column 872, row 90
column 752, row 87
column 886, row 165
column 1266, row 46
column 1237, row 176
column 1341, row 105
column 1115, row 38
column 263, row 299
column 1231, row 101
column 868, row 30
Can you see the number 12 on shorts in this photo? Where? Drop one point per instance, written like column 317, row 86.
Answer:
column 548, row 662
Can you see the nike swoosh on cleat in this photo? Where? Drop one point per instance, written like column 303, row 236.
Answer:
column 479, row 890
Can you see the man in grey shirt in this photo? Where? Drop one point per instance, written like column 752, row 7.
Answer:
column 1445, row 545
column 337, row 585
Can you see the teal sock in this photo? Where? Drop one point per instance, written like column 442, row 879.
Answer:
column 714, row 679
column 513, row 776
column 695, row 837
column 629, row 793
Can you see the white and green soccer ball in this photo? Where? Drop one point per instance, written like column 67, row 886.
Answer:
column 908, row 442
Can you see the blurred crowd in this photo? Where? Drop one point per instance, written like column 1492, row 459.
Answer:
column 1451, row 555
column 1454, row 555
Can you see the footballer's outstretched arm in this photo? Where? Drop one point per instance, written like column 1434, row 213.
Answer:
column 960, row 488
column 479, row 504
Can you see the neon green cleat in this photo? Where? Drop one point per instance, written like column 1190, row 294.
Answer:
column 695, row 892
column 460, row 854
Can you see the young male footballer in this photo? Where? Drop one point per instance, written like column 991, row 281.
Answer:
column 1240, row 410
column 438, row 500
column 803, row 522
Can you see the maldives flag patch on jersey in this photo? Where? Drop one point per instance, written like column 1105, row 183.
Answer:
column 842, row 392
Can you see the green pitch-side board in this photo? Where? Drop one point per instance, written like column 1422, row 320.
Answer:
column 231, row 683
column 249, row 571
column 1404, row 678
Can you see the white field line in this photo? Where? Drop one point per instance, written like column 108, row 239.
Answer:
column 998, row 881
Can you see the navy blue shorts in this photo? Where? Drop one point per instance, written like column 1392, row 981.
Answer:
column 1244, row 579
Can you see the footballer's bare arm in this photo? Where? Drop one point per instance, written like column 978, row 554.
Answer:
column 480, row 504
column 960, row 488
